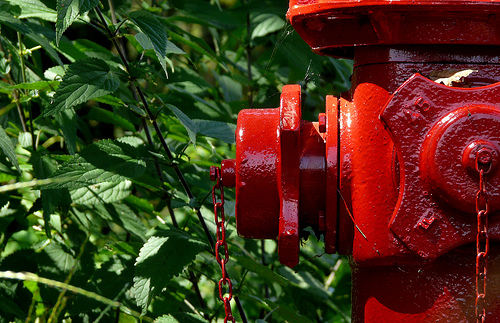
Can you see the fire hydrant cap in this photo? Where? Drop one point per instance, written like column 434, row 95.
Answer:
column 335, row 27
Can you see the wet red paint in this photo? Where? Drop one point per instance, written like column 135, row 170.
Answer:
column 398, row 152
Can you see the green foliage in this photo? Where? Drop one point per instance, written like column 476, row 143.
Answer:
column 84, row 80
column 111, row 115
column 159, row 260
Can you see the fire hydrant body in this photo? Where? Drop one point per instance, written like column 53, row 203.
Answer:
column 401, row 171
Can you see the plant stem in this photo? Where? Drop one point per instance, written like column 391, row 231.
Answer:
column 23, row 74
column 56, row 310
column 151, row 117
column 249, row 59
column 164, row 145
column 160, row 173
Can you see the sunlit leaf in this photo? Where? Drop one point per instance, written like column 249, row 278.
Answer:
column 84, row 80
column 161, row 258
column 68, row 11
column 104, row 161
column 35, row 9
column 266, row 24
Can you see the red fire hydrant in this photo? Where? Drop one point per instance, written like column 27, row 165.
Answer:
column 414, row 162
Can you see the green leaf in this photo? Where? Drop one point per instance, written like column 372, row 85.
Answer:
column 139, row 204
column 180, row 318
column 160, row 259
column 106, row 116
column 197, row 44
column 125, row 248
column 44, row 167
column 166, row 319
column 220, row 130
column 146, row 44
column 35, row 9
column 67, row 120
column 8, row 149
column 61, row 256
column 111, row 100
column 123, row 216
column 153, row 31
column 68, row 11
column 103, row 161
column 189, row 124
column 40, row 86
column 173, row 49
column 24, row 29
column 105, row 192
column 267, row 23
column 84, row 80
column 261, row 270
column 232, row 89
column 288, row 313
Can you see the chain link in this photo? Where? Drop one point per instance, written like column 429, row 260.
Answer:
column 221, row 249
column 482, row 242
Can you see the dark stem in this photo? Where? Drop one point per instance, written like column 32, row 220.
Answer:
column 23, row 74
column 249, row 59
column 263, row 261
column 240, row 309
column 160, row 174
column 163, row 143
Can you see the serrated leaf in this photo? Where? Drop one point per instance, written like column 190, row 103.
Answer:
column 173, row 49
column 220, row 130
column 190, row 126
column 84, row 80
column 61, row 256
column 146, row 44
column 25, row 139
column 68, row 11
column 105, row 192
column 180, row 318
column 8, row 149
column 35, row 9
column 55, row 73
column 103, row 161
column 24, row 29
column 155, row 33
column 166, row 319
column 160, row 259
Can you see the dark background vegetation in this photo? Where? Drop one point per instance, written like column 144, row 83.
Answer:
column 104, row 161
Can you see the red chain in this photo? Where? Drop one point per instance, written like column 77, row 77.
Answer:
column 221, row 249
column 482, row 244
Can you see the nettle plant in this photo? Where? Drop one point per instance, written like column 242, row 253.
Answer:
column 111, row 114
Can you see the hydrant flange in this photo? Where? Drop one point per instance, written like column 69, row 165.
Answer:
column 283, row 171
column 435, row 130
